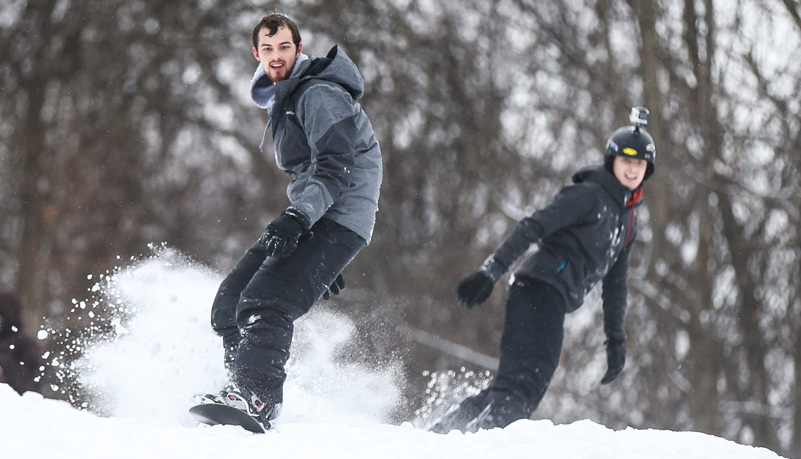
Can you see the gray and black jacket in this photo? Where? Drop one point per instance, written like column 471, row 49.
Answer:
column 584, row 236
column 324, row 140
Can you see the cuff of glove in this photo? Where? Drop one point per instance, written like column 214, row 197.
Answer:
column 298, row 215
column 493, row 268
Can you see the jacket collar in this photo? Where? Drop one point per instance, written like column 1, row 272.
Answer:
column 601, row 175
column 262, row 89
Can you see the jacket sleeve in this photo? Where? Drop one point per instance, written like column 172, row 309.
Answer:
column 569, row 207
column 328, row 118
column 615, row 296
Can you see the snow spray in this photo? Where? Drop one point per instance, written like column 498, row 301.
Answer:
column 157, row 352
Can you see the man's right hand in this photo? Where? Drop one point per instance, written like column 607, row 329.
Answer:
column 281, row 236
column 474, row 289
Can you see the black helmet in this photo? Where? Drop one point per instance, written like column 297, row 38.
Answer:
column 632, row 142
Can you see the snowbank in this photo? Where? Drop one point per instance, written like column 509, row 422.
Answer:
column 144, row 367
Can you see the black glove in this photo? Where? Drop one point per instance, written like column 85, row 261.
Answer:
column 337, row 286
column 474, row 289
column 477, row 287
column 281, row 236
column 615, row 360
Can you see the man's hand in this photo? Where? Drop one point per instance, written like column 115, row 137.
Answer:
column 615, row 360
column 474, row 289
column 337, row 286
column 281, row 236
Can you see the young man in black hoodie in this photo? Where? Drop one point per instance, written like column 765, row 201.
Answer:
column 323, row 140
column 584, row 236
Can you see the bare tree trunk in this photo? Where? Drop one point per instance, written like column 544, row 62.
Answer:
column 795, row 401
column 35, row 184
column 658, row 191
column 749, row 318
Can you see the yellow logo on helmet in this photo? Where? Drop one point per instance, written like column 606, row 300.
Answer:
column 630, row 151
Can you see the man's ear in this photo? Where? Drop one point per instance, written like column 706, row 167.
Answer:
column 256, row 54
column 300, row 50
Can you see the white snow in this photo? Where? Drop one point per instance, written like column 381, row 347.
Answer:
column 144, row 375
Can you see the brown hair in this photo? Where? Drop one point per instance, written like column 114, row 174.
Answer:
column 272, row 22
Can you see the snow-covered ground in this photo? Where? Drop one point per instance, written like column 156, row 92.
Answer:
column 162, row 352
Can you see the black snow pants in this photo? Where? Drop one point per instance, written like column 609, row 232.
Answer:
column 533, row 333
column 531, row 344
column 262, row 296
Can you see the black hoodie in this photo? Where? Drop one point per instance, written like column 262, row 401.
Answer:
column 584, row 236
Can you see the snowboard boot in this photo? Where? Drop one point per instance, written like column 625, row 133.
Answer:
column 213, row 399
column 244, row 400
column 462, row 416
column 495, row 415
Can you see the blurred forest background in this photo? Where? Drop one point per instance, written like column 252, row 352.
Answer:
column 127, row 122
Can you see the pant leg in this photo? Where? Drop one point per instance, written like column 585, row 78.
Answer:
column 281, row 291
column 223, row 310
column 530, row 349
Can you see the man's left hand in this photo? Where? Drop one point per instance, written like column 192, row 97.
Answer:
column 615, row 360
column 337, row 286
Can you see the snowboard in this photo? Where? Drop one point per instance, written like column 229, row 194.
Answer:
column 214, row 414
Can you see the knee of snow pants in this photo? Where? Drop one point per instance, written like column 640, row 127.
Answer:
column 223, row 310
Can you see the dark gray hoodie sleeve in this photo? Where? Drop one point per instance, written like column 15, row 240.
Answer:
column 615, row 296
column 568, row 207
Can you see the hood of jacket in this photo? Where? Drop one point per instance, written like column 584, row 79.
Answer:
column 262, row 88
column 601, row 175
column 335, row 67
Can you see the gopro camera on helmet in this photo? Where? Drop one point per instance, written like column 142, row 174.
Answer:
column 639, row 116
